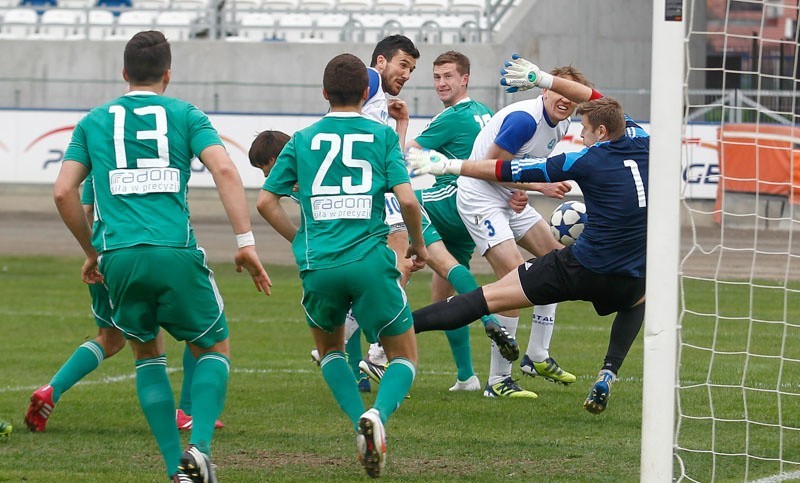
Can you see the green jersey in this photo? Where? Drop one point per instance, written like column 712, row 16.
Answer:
column 453, row 131
column 343, row 164
column 139, row 149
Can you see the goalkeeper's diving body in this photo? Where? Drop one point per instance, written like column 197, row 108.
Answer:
column 606, row 265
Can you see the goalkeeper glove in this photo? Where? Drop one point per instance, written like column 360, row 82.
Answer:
column 428, row 161
column 521, row 75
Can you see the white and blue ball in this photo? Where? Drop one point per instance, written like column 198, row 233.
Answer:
column 567, row 221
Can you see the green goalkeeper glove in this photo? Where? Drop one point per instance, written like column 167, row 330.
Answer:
column 428, row 161
column 521, row 75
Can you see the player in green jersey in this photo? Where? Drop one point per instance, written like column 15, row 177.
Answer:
column 449, row 243
column 343, row 165
column 138, row 149
column 89, row 355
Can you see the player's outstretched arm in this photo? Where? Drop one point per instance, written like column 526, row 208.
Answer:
column 428, row 161
column 412, row 216
column 231, row 193
column 519, row 74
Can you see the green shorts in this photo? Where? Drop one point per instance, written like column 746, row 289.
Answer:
column 101, row 307
column 371, row 286
column 439, row 204
column 151, row 287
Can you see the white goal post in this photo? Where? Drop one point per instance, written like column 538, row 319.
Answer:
column 663, row 240
column 721, row 388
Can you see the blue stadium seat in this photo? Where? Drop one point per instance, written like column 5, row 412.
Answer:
column 116, row 6
column 38, row 3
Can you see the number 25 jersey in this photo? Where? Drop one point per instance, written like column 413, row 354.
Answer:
column 343, row 164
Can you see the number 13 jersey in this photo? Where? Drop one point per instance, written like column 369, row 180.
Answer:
column 139, row 149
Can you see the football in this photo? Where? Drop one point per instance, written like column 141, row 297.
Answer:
column 567, row 221
column 5, row 429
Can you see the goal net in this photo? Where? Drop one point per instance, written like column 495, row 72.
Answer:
column 737, row 396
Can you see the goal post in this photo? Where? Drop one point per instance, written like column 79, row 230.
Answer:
column 721, row 388
column 663, row 240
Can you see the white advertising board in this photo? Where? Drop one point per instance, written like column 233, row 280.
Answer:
column 32, row 145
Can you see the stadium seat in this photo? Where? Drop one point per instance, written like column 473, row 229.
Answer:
column 317, row 4
column 373, row 26
column 294, row 27
column 279, row 4
column 451, row 26
column 468, row 5
column 329, row 27
column 132, row 21
column 76, row 3
column 150, row 4
column 59, row 23
column 198, row 5
column 390, row 5
column 429, row 5
column 19, row 23
column 429, row 32
column 115, row 6
column 39, row 5
column 100, row 25
column 254, row 27
column 243, row 5
column 354, row 5
column 176, row 25
column 353, row 31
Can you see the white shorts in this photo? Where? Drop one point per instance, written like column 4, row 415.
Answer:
column 490, row 221
column 394, row 218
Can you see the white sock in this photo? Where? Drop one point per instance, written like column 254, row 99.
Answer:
column 500, row 368
column 544, row 318
column 377, row 355
column 350, row 325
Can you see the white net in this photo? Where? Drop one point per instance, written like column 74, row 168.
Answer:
column 738, row 385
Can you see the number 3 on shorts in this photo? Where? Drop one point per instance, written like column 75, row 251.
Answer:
column 489, row 227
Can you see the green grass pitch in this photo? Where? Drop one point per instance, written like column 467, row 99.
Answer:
column 281, row 422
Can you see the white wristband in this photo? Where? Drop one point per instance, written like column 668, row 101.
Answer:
column 454, row 166
column 245, row 239
column 545, row 80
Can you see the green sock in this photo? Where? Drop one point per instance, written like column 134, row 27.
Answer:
column 343, row 385
column 462, row 353
column 158, row 405
column 354, row 354
column 209, row 388
column 395, row 384
column 189, row 363
column 84, row 360
column 462, row 280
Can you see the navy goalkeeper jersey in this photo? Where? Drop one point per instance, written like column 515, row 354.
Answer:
column 613, row 178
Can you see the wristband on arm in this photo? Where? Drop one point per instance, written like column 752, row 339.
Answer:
column 245, row 239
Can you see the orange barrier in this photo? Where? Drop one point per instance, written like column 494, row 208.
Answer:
column 759, row 158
